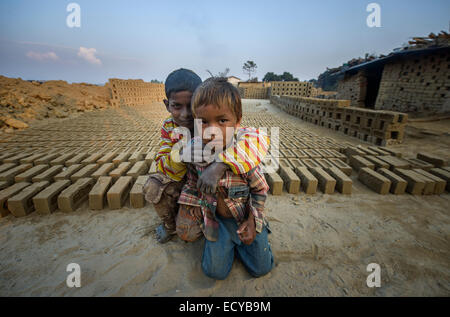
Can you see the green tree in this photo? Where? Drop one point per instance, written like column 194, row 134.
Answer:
column 249, row 68
column 286, row 76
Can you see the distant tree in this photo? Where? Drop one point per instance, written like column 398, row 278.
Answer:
column 156, row 81
column 286, row 76
column 271, row 77
column 253, row 80
column 249, row 68
column 219, row 74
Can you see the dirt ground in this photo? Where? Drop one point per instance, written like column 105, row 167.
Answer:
column 322, row 244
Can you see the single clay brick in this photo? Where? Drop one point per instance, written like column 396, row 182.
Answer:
column 307, row 180
column 290, row 179
column 139, row 168
column 395, row 162
column 136, row 156
column 310, row 163
column 352, row 151
column 74, row 195
column 344, row 167
column 326, row 182
column 445, row 175
column 118, row 193
column 429, row 184
column 86, row 171
column 97, row 196
column 374, row 180
column 136, row 194
column 103, row 170
column 61, row 160
column 416, row 184
column 46, row 201
column 46, row 159
column 416, row 163
column 343, row 182
column 65, row 174
column 378, row 150
column 295, row 162
column 378, row 163
column 91, row 159
column 8, row 192
column 275, row 183
column 432, row 159
column 107, row 158
column 392, row 151
column 120, row 170
column 48, row 174
column 398, row 184
column 439, row 182
column 76, row 159
column 122, row 157
column 21, row 204
column 358, row 162
column 284, row 162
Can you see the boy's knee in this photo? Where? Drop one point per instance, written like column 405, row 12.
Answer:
column 261, row 271
column 216, row 272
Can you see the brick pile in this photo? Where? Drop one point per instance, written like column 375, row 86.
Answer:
column 135, row 92
column 373, row 126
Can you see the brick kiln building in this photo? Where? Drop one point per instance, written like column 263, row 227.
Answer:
column 412, row 80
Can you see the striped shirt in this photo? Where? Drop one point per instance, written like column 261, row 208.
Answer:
column 249, row 150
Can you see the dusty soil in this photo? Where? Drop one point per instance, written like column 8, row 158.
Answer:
column 28, row 102
column 322, row 245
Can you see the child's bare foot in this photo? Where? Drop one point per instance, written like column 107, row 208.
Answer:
column 162, row 236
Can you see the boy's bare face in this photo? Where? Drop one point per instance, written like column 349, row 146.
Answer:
column 220, row 119
column 179, row 105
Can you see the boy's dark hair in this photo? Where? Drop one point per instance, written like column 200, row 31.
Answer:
column 180, row 80
column 218, row 91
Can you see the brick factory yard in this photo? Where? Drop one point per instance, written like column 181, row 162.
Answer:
column 322, row 243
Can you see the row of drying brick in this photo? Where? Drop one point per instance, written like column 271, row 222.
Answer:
column 54, row 167
column 67, row 189
column 23, row 198
column 424, row 175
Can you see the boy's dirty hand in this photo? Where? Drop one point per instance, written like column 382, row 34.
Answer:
column 208, row 181
column 196, row 213
column 247, row 230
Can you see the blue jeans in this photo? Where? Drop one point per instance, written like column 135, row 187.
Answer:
column 218, row 256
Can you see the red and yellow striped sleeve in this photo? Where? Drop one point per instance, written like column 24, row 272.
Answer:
column 167, row 158
column 248, row 151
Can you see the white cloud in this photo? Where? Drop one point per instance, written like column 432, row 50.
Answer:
column 88, row 54
column 42, row 56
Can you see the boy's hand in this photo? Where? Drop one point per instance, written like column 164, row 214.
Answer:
column 247, row 230
column 208, row 181
column 195, row 212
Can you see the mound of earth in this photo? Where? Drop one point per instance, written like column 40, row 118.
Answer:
column 22, row 102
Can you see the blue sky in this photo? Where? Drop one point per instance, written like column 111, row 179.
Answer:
column 147, row 39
